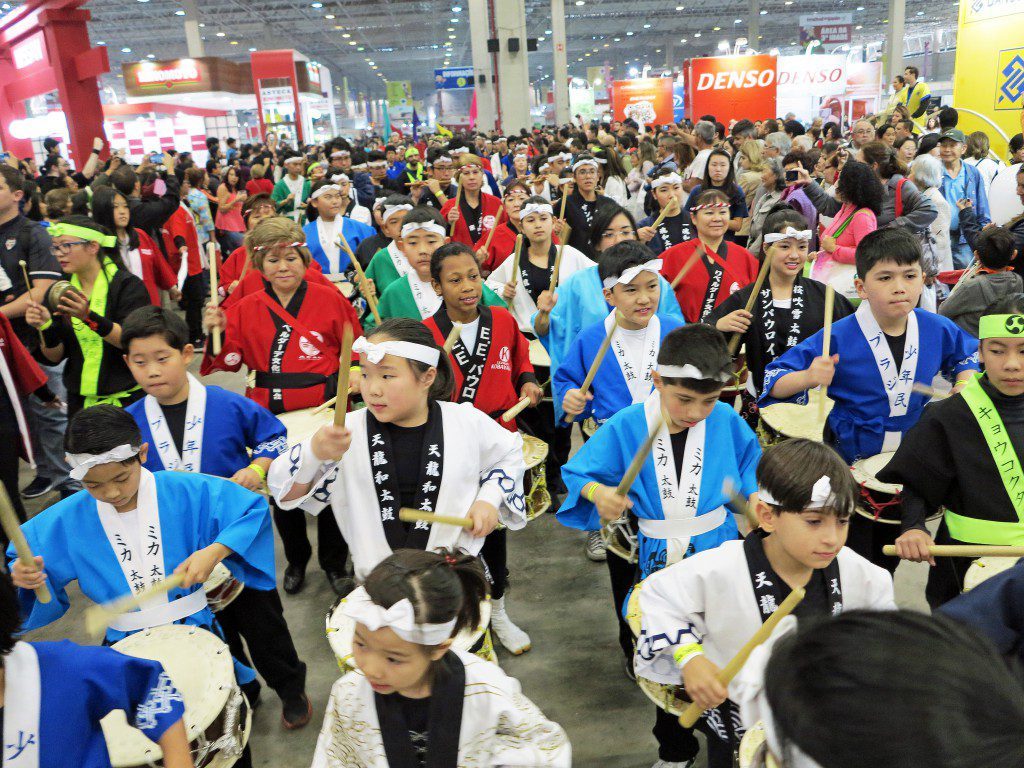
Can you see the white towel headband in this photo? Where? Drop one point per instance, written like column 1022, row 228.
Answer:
column 821, row 494
column 340, row 177
column 690, row 371
column 586, row 163
column 529, row 208
column 671, row 178
column 407, row 349
column 400, row 618
column 788, row 232
column 654, row 265
column 81, row 463
column 324, row 190
column 429, row 226
column 391, row 210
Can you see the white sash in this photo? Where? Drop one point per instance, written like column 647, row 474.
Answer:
column 402, row 265
column 680, row 499
column 427, row 302
column 143, row 568
column 330, row 241
column 637, row 373
column 21, row 714
column 192, row 440
column 898, row 383
column 132, row 260
column 19, row 414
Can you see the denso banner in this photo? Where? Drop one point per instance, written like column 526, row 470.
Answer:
column 733, row 87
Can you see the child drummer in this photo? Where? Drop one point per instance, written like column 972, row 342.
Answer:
column 679, row 496
column 886, row 336
column 963, row 456
column 491, row 365
column 697, row 614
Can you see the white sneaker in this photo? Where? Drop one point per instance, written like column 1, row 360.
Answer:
column 667, row 764
column 514, row 640
column 596, row 550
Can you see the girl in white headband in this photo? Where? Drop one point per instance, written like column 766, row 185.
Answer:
column 697, row 614
column 667, row 193
column 410, row 447
column 790, row 307
column 584, row 200
column 414, row 699
column 327, row 226
column 478, row 212
column 389, row 263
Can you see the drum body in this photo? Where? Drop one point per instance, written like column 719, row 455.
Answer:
column 539, row 357
column 878, row 501
column 738, row 383
column 784, row 421
column 538, row 498
column 985, row 568
column 671, row 698
column 753, row 752
column 217, row 716
column 341, row 629
column 589, row 426
column 302, row 424
column 221, row 588
column 54, row 293
column 620, row 538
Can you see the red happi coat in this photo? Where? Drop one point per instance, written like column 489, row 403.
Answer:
column 489, row 206
column 506, row 368
column 739, row 269
column 293, row 350
column 20, row 377
column 182, row 225
column 156, row 272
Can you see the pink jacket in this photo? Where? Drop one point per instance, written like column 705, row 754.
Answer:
column 862, row 223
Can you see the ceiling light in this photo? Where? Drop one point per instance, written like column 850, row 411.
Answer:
column 222, row 34
column 764, row 12
column 143, row 1
column 716, row 29
column 316, row 5
column 920, row 13
column 859, row 26
column 252, row 50
column 581, row 2
column 202, row 23
column 150, row 56
column 657, row 50
column 680, row 7
column 346, row 35
column 126, row 50
column 454, row 19
column 351, row 42
column 451, row 29
column 647, row 26
column 360, row 48
column 234, row 42
column 101, row 42
column 456, row 8
column 617, row 39
column 328, row 15
column 629, row 34
column 696, row 34
column 179, row 12
column 738, row 21
column 723, row 45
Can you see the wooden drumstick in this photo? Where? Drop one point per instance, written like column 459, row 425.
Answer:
column 690, row 263
column 364, row 285
column 932, row 392
column 558, row 262
column 734, row 342
column 592, row 371
column 12, row 528
column 28, row 288
column 516, row 409
column 497, row 221
column 735, row 664
column 344, row 370
column 324, row 406
column 458, row 202
column 622, row 489
column 516, row 255
column 99, row 617
column 740, row 503
column 826, row 340
column 672, row 204
column 453, row 336
column 211, row 253
column 407, row 515
column 963, row 550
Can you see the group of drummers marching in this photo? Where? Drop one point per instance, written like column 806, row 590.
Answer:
column 396, row 417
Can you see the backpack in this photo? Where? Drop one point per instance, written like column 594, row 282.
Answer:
column 929, row 254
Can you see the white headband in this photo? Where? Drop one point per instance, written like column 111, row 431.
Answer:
column 429, row 226
column 81, row 463
column 340, row 177
column 689, row 371
column 375, row 352
column 543, row 168
column 324, row 190
column 400, row 618
column 654, row 265
column 529, row 208
column 459, row 151
column 567, row 156
column 391, row 210
column 378, row 164
column 821, row 494
column 747, row 690
column 586, row 163
column 340, row 153
column 672, row 178
column 799, row 234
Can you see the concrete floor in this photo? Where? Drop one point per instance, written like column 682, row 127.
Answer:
column 574, row 672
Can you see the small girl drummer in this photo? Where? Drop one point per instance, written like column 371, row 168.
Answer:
column 414, row 701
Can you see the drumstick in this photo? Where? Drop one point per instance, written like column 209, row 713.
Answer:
column 98, row 617
column 735, row 664
column 673, row 203
column 826, row 340
column 740, row 503
column 345, row 369
column 932, row 392
column 963, row 550
column 515, row 410
column 490, row 235
column 458, row 202
column 734, row 342
column 453, row 336
column 558, row 262
column 639, row 458
column 517, row 252
column 694, row 258
column 324, row 406
column 598, row 359
column 364, row 286
column 407, row 515
column 11, row 527
column 28, row 288
column 211, row 252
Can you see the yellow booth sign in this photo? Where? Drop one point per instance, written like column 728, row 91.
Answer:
column 989, row 74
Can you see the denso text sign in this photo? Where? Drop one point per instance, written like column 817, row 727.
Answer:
column 734, row 87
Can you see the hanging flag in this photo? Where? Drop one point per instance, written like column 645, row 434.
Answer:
column 444, row 131
column 415, row 125
column 387, row 123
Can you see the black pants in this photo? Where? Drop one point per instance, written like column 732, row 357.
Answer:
column 494, row 553
column 867, row 538
column 623, row 577
column 332, row 551
column 193, row 296
column 11, row 440
column 257, row 617
column 675, row 743
column 946, row 579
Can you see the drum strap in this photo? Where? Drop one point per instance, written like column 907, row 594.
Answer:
column 168, row 613
column 1010, row 472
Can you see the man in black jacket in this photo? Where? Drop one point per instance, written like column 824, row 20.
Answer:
column 150, row 213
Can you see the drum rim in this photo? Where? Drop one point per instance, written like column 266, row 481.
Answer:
column 538, row 452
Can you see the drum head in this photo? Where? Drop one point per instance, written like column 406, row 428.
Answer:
column 667, row 697
column 302, row 424
column 866, row 470
column 54, row 292
column 340, row 630
column 221, row 588
column 539, row 356
column 535, row 451
column 985, row 568
column 201, row 667
column 754, row 749
column 792, row 420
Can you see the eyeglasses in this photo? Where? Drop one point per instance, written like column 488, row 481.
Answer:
column 58, row 248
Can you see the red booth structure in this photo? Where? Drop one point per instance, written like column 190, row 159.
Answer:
column 48, row 75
